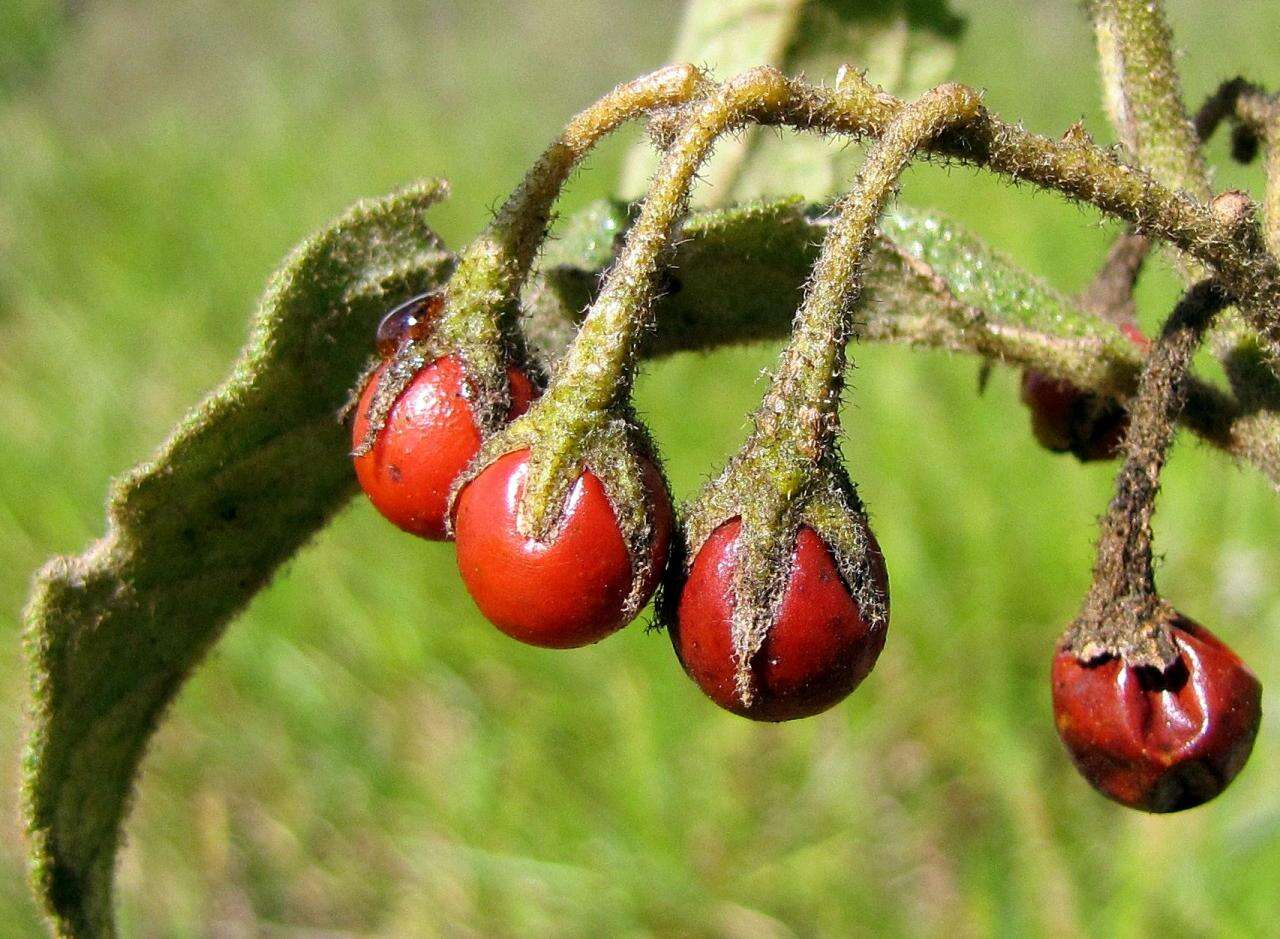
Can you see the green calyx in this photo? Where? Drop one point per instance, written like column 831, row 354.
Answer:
column 775, row 486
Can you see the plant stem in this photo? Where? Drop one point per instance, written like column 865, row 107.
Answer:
column 1080, row 171
column 1119, row 612
column 812, row 371
column 1144, row 94
column 1110, row 294
column 492, row 268
column 598, row 367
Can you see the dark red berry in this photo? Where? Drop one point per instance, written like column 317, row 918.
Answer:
column 569, row 591
column 1159, row 741
column 411, row 320
column 1067, row 419
column 429, row 437
column 818, row 649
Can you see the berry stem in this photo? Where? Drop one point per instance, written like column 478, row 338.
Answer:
column 493, row 268
column 1122, row 614
column 805, row 394
column 599, row 366
column 483, row 293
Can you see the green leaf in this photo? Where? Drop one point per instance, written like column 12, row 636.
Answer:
column 242, row 483
column 739, row 272
column 906, row 46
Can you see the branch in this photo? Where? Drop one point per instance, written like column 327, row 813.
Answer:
column 1121, row 614
column 1144, row 95
column 737, row 273
column 1078, row 170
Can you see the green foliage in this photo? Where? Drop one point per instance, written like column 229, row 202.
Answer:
column 243, row 482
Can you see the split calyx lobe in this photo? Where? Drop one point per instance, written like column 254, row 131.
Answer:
column 1122, row 614
column 789, row 473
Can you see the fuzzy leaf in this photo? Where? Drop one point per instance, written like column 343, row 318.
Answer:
column 906, row 46
column 739, row 272
column 242, row 483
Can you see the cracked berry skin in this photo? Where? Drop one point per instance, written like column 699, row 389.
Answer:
column 563, row 593
column 429, row 438
column 818, row 649
column 1159, row 741
column 1068, row 419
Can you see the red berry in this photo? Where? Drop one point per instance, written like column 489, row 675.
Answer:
column 1068, row 419
column 411, row 320
column 568, row 591
column 429, row 438
column 1159, row 741
column 816, row 652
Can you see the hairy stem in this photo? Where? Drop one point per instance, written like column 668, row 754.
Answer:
column 1082, row 172
column 812, row 372
column 1110, row 294
column 483, row 293
column 500, row 258
column 1122, row 614
column 597, row 369
column 1144, row 95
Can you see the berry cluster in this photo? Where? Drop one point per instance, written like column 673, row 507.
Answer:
column 775, row 591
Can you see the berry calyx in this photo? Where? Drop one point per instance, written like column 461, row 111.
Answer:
column 572, row 588
column 427, row 439
column 818, row 648
column 1159, row 740
column 1067, row 419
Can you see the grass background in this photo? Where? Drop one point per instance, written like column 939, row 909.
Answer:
column 361, row 755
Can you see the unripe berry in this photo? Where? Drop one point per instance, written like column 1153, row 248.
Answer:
column 429, row 437
column 818, row 648
column 1159, row 741
column 572, row 589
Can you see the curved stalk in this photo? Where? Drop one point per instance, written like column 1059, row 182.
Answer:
column 1123, row 614
column 500, row 258
column 598, row 368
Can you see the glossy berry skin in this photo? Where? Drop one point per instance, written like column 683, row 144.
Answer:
column 1067, row 419
column 1159, row 742
column 411, row 320
column 429, row 438
column 566, row 592
column 816, row 652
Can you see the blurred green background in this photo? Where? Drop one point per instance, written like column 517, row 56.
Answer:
column 362, row 755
